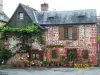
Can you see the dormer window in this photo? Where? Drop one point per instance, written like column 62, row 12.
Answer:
column 81, row 16
column 51, row 17
column 21, row 15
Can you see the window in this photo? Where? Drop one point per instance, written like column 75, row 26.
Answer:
column 81, row 18
column 68, row 32
column 35, row 56
column 85, row 54
column 54, row 54
column 21, row 15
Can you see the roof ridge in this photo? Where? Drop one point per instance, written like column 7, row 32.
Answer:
column 68, row 10
column 27, row 6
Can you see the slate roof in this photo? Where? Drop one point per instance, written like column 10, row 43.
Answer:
column 31, row 12
column 3, row 17
column 67, row 17
column 62, row 17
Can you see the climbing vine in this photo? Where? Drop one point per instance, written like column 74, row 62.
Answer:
column 32, row 29
column 99, row 39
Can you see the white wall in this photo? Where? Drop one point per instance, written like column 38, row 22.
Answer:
column 1, row 6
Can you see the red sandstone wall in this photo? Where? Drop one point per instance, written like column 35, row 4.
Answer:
column 87, row 40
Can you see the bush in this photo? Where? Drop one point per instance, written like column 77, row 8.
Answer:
column 5, row 54
column 27, row 62
column 45, row 62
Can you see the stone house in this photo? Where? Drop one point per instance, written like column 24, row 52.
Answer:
column 66, row 31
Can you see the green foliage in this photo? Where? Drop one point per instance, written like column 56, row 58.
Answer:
column 71, row 55
column 85, row 54
column 4, row 53
column 49, row 46
column 79, row 61
column 40, row 39
column 27, row 62
column 99, row 39
column 63, row 58
column 30, row 30
column 45, row 62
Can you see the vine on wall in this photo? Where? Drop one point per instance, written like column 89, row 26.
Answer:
column 30, row 30
column 99, row 39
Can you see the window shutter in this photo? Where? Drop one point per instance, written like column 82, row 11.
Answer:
column 74, row 32
column 54, row 54
column 66, row 32
column 61, row 33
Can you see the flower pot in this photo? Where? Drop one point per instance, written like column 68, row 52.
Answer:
column 58, row 64
column 70, row 63
column 44, row 65
column 39, row 65
column 22, row 64
column 28, row 65
column 47, row 65
column 17, row 65
column 64, row 64
column 52, row 65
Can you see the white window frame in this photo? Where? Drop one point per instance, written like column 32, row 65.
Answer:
column 21, row 15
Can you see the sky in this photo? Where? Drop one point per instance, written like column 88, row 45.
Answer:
column 9, row 6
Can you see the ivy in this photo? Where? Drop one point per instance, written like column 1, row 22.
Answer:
column 99, row 39
column 49, row 46
column 29, row 30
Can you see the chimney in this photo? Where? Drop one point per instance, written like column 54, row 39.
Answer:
column 44, row 7
column 1, row 6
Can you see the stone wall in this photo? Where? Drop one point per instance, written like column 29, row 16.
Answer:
column 87, row 40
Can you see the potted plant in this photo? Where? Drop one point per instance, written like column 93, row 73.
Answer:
column 45, row 63
column 71, row 57
column 27, row 63
column 39, row 63
column 52, row 63
column 89, row 62
column 70, row 63
column 62, row 58
column 57, row 63
column 65, row 62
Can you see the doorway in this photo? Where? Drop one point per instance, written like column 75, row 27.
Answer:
column 71, row 54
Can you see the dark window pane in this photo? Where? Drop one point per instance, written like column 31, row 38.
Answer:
column 54, row 54
column 36, row 57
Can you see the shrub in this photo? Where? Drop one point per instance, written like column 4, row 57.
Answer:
column 27, row 62
column 45, row 62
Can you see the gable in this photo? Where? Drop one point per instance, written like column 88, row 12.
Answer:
column 16, row 22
